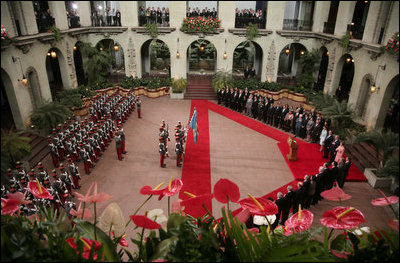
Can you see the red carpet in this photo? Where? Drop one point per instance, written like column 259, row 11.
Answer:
column 196, row 175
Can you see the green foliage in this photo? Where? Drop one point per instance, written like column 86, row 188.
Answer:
column 86, row 91
column 14, row 146
column 71, row 98
column 339, row 113
column 243, row 54
column 56, row 32
column 391, row 168
column 222, row 79
column 196, row 53
column 152, row 30
column 386, row 142
column 179, row 85
column 98, row 64
column 150, row 83
column 309, row 63
column 49, row 115
column 251, row 32
column 345, row 42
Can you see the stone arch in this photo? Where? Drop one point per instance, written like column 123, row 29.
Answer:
column 363, row 97
column 390, row 91
column 117, row 70
column 288, row 66
column 323, row 69
column 254, row 50
column 344, row 75
column 198, row 61
column 11, row 97
column 78, row 63
column 57, row 71
column 34, row 87
column 155, row 64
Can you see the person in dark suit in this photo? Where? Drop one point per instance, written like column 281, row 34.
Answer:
column 319, row 186
column 299, row 198
column 346, row 171
column 284, row 111
column 289, row 199
column 246, row 72
column 326, row 177
column 277, row 115
column 328, row 144
column 306, row 186
column 341, row 173
column 252, row 72
column 334, row 174
column 334, row 146
column 280, row 203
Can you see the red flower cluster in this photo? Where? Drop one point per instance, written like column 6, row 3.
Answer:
column 4, row 34
column 200, row 24
column 392, row 45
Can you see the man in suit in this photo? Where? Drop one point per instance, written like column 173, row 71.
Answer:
column 284, row 111
column 328, row 144
column 246, row 72
column 334, row 146
column 319, row 186
column 299, row 198
column 289, row 199
column 277, row 114
column 280, row 203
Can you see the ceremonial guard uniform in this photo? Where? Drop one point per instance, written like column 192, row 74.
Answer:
column 53, row 152
column 13, row 182
column 178, row 151
column 162, row 150
column 22, row 177
column 74, row 172
column 66, row 179
column 60, row 188
column 139, row 106
column 122, row 134
column 43, row 176
column 118, row 144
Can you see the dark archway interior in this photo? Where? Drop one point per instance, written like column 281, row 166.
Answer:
column 392, row 115
column 54, row 75
column 202, row 57
column 7, row 119
column 80, row 73
column 346, row 80
column 156, row 59
column 322, row 71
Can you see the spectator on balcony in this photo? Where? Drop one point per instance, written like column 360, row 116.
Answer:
column 118, row 18
column 112, row 14
column 159, row 14
column 163, row 16
column 142, row 16
column 167, row 16
column 94, row 18
column 214, row 13
column 153, row 15
column 108, row 16
column 188, row 13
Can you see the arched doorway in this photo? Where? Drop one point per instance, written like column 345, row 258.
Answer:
column 117, row 69
column 247, row 53
column 7, row 119
column 289, row 66
column 202, row 58
column 78, row 62
column 54, row 72
column 388, row 116
column 346, row 72
column 10, row 114
column 156, row 59
column 364, row 96
column 34, row 88
column 323, row 67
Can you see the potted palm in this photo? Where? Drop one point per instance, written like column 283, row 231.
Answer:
column 178, row 88
column 49, row 115
column 14, row 146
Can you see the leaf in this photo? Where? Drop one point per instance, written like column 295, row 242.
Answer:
column 110, row 251
column 175, row 221
column 340, row 243
column 163, row 247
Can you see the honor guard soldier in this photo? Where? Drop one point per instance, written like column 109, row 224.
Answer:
column 118, row 144
column 13, row 182
column 139, row 107
column 4, row 191
column 66, row 179
column 22, row 177
column 56, row 201
column 162, row 150
column 74, row 172
column 43, row 176
column 59, row 187
column 87, row 162
column 31, row 175
column 178, row 151
column 122, row 134
column 53, row 152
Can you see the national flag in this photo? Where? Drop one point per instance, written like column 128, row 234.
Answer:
column 193, row 124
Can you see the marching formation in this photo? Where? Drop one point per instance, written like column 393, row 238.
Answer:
column 75, row 141
column 180, row 139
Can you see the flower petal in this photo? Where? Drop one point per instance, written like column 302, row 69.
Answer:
column 269, row 207
column 384, row 202
column 225, row 189
column 33, row 187
column 335, row 194
column 304, row 223
column 348, row 221
column 145, row 222
column 9, row 206
column 176, row 186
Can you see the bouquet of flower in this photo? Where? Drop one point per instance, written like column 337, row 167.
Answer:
column 392, row 46
column 4, row 34
column 200, row 24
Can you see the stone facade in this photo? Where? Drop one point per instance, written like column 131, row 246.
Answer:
column 31, row 48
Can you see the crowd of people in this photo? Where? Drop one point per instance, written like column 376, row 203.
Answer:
column 307, row 125
column 151, row 15
column 78, row 141
column 243, row 17
column 205, row 12
column 44, row 20
column 73, row 19
column 110, row 17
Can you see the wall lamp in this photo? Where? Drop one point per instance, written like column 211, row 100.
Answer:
column 116, row 48
column 287, row 51
column 177, row 48
column 373, row 86
column 225, row 56
column 24, row 80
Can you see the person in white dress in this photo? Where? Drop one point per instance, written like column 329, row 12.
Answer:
column 322, row 137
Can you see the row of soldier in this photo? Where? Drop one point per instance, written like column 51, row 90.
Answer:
column 180, row 139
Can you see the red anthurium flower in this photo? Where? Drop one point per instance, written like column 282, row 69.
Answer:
column 20, row 197
column 39, row 191
column 195, row 203
column 335, row 194
column 225, row 189
column 122, row 241
column 173, row 188
column 84, row 198
column 385, row 200
column 342, row 218
column 243, row 215
column 259, row 206
column 300, row 221
column 145, row 222
column 9, row 206
column 148, row 190
column 87, row 246
column 394, row 224
column 98, row 197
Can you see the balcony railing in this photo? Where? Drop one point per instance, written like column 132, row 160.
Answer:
column 355, row 31
column 296, row 24
column 243, row 21
column 44, row 23
column 329, row 28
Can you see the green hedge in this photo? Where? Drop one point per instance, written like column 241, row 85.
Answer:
column 150, row 83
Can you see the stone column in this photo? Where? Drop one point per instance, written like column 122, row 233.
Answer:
column 7, row 19
column 177, row 12
column 84, row 13
column 275, row 15
column 129, row 13
column 59, row 13
column 226, row 13
column 26, row 17
column 372, row 18
column 321, row 13
column 393, row 24
column 344, row 17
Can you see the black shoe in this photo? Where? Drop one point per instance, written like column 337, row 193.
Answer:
column 124, row 152
column 163, row 166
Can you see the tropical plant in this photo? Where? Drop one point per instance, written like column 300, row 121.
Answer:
column 98, row 64
column 309, row 63
column 391, row 168
column 56, row 32
column 251, row 32
column 86, row 91
column 201, row 49
column 179, row 85
column 383, row 141
column 14, row 146
column 345, row 43
column 152, row 30
column 49, row 115
column 244, row 53
column 71, row 98
column 339, row 113
column 222, row 79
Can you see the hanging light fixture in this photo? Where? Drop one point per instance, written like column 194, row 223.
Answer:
column 177, row 48
column 373, row 86
column 302, row 52
column 327, row 53
column 116, row 48
column 101, row 49
column 225, row 56
column 287, row 51
column 75, row 48
column 348, row 59
column 178, row 54
column 24, row 80
column 202, row 48
column 53, row 54
column 48, row 54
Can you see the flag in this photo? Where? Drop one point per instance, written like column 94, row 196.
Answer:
column 194, row 126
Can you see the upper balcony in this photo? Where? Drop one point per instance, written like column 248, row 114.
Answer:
column 297, row 25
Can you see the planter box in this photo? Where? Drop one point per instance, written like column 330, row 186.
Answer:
column 178, row 96
column 377, row 182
